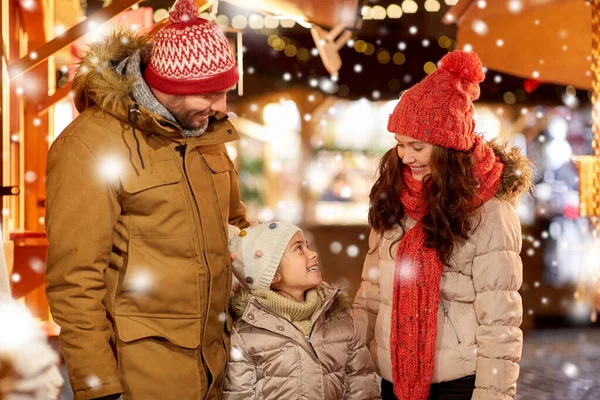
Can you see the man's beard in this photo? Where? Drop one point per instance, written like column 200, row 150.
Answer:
column 190, row 128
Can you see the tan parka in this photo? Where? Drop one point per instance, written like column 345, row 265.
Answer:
column 480, row 308
column 138, row 269
column 271, row 359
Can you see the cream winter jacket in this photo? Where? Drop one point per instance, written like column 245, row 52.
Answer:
column 271, row 359
column 480, row 309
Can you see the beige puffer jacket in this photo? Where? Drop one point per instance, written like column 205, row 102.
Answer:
column 480, row 309
column 271, row 359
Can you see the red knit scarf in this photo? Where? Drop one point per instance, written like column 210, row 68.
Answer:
column 417, row 283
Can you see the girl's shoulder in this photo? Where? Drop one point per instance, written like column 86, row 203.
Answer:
column 341, row 304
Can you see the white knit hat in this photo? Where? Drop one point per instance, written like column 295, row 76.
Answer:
column 258, row 251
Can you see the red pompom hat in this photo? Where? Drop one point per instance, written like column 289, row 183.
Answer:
column 439, row 109
column 191, row 55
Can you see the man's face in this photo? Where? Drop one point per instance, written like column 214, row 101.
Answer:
column 192, row 112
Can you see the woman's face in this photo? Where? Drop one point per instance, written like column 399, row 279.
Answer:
column 415, row 154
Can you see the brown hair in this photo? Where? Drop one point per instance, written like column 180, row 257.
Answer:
column 451, row 193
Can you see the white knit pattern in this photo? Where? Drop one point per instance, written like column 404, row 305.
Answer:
column 194, row 52
column 256, row 270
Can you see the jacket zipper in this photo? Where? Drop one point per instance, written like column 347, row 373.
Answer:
column 181, row 149
column 447, row 319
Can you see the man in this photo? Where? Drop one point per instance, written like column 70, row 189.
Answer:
column 140, row 190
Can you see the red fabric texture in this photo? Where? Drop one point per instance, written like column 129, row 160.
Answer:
column 418, row 271
column 190, row 56
column 439, row 109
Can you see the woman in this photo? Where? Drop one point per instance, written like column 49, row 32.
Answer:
column 438, row 302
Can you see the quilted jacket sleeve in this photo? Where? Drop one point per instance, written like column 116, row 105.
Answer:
column 497, row 276
column 360, row 372
column 240, row 382
column 366, row 302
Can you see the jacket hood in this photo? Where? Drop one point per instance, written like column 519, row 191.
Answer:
column 516, row 177
column 241, row 297
column 98, row 83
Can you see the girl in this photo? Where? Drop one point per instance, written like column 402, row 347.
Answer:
column 438, row 302
column 293, row 335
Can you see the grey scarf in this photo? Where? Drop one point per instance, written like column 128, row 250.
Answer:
column 142, row 93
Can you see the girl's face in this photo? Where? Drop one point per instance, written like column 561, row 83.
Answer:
column 415, row 154
column 299, row 269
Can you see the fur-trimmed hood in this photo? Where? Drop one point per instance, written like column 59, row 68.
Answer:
column 98, row 82
column 241, row 297
column 516, row 177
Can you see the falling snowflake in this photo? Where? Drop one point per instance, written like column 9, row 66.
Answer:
column 362, row 236
column 352, row 251
column 358, row 68
column 287, row 76
column 236, row 354
column 480, row 27
column 110, row 167
column 536, row 284
column 406, row 272
column 30, row 176
column 223, row 317
column 37, row 265
column 141, row 281
column 545, row 300
column 93, row 381
column 570, row 370
column 530, row 252
column 515, row 6
column 335, row 247
column 373, row 273
column 15, row 277
column 497, row 79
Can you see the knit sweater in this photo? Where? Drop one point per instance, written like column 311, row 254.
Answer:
column 299, row 314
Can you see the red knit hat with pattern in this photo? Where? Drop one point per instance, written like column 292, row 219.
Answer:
column 439, row 109
column 191, row 55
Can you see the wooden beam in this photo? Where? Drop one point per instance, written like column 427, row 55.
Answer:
column 102, row 16
column 59, row 94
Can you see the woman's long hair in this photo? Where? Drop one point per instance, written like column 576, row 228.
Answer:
column 451, row 193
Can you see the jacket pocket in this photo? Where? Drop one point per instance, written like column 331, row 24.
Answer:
column 448, row 319
column 155, row 200
column 160, row 279
column 220, row 167
column 158, row 175
column 180, row 332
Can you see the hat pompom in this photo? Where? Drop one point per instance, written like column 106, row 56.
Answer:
column 464, row 64
column 183, row 11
